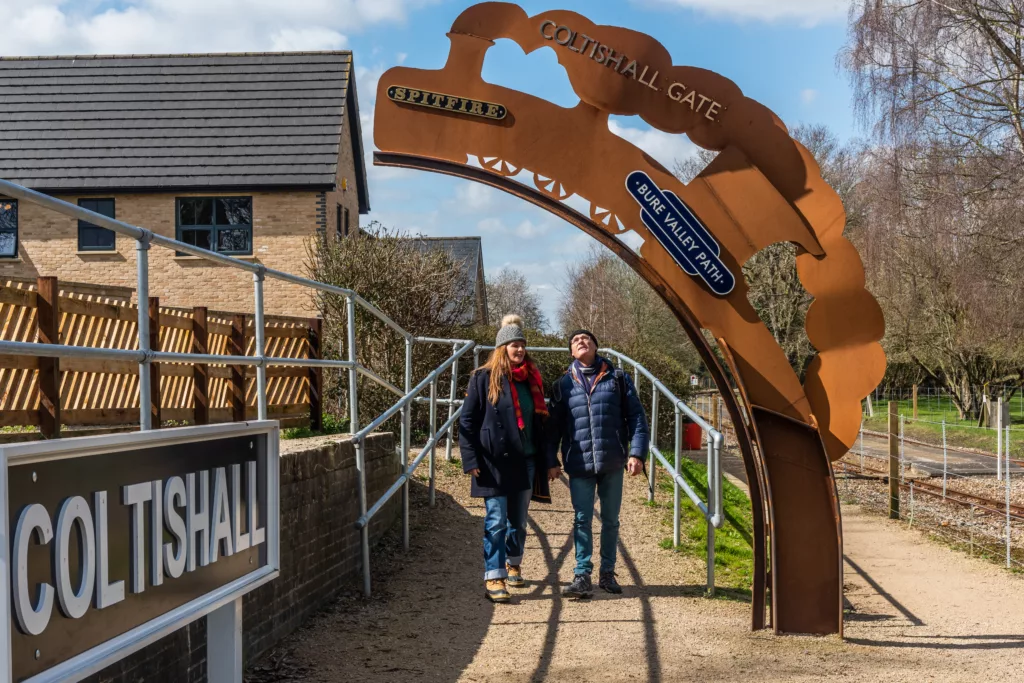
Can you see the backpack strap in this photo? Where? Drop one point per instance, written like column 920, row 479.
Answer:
column 620, row 382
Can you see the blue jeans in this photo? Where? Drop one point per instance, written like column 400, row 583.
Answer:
column 609, row 490
column 505, row 528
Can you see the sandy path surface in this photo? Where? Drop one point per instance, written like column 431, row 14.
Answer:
column 920, row 612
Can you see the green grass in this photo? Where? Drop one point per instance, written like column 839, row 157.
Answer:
column 734, row 555
column 331, row 425
column 959, row 433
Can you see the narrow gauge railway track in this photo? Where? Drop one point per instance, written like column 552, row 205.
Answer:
column 952, row 495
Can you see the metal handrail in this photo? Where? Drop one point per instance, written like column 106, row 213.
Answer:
column 410, row 396
column 407, row 474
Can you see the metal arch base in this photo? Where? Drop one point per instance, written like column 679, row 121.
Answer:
column 804, row 533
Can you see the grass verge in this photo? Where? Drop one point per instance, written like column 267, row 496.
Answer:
column 734, row 554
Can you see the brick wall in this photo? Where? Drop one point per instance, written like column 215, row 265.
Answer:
column 282, row 221
column 320, row 556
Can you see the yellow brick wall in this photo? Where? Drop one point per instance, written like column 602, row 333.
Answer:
column 348, row 197
column 282, row 221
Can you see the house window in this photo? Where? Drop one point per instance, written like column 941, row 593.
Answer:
column 337, row 223
column 93, row 237
column 346, row 222
column 8, row 228
column 221, row 224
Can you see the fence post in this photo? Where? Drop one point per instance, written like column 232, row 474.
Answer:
column 894, row 462
column 915, row 401
column 714, row 412
column 945, row 458
column 260, row 348
column 154, row 368
column 316, row 376
column 451, row 405
column 675, row 481
column 236, row 347
column 861, row 435
column 1006, row 443
column 48, row 376
column 406, row 441
column 999, row 439
column 433, row 432
column 200, row 371
column 903, row 424
column 652, row 461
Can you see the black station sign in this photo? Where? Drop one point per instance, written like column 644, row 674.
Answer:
column 442, row 102
column 105, row 543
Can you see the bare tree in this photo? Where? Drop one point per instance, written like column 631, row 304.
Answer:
column 421, row 291
column 775, row 290
column 510, row 292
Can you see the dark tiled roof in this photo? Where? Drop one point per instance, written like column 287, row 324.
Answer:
column 176, row 121
column 467, row 251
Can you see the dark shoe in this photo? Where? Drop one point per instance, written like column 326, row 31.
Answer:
column 609, row 584
column 496, row 591
column 515, row 576
column 581, row 587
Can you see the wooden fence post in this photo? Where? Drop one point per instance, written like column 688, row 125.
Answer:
column 154, row 368
column 915, row 401
column 200, row 371
column 894, row 460
column 236, row 347
column 316, row 376
column 48, row 377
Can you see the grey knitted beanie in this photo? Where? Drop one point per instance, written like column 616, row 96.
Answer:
column 511, row 330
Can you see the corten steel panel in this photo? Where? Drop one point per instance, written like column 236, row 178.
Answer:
column 805, row 509
column 763, row 187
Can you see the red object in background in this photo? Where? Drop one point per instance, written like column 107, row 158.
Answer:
column 692, row 437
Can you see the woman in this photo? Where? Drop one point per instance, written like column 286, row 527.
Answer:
column 501, row 435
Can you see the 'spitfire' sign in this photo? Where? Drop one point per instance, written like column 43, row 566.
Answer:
column 451, row 103
column 108, row 539
column 676, row 227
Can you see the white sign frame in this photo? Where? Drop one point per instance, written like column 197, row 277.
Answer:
column 224, row 661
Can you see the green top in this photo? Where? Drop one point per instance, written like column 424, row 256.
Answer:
column 526, row 406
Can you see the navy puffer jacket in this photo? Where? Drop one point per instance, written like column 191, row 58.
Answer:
column 592, row 432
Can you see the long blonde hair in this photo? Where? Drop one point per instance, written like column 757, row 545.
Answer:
column 499, row 366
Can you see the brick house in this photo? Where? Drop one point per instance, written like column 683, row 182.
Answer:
column 247, row 154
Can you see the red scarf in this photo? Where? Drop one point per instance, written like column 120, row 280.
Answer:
column 528, row 372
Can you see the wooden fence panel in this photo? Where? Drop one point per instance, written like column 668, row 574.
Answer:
column 106, row 392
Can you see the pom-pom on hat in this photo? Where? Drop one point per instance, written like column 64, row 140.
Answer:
column 511, row 330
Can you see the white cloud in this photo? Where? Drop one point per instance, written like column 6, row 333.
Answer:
column 807, row 12
column 528, row 229
column 40, row 27
column 808, row 95
column 665, row 148
column 289, row 40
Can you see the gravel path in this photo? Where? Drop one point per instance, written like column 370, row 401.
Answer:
column 920, row 612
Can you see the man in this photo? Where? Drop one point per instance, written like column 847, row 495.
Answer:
column 599, row 425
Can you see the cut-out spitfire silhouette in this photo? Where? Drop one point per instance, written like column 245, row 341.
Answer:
column 762, row 188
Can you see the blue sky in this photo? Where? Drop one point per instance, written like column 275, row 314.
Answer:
column 780, row 52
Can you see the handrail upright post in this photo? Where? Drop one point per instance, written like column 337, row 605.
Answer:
column 675, row 482
column 259, row 351
column 476, row 357
column 451, row 405
column 406, row 439
column 433, row 427
column 651, row 476
column 142, row 298
column 360, row 445
column 710, row 525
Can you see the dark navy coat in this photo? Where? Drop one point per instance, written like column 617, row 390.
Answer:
column 591, row 431
column 490, row 440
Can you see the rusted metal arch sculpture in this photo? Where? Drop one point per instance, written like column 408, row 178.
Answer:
column 763, row 187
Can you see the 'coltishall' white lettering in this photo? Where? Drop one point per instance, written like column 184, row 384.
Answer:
column 202, row 524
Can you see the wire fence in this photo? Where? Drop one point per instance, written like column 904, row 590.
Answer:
column 936, row 403
column 972, row 501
